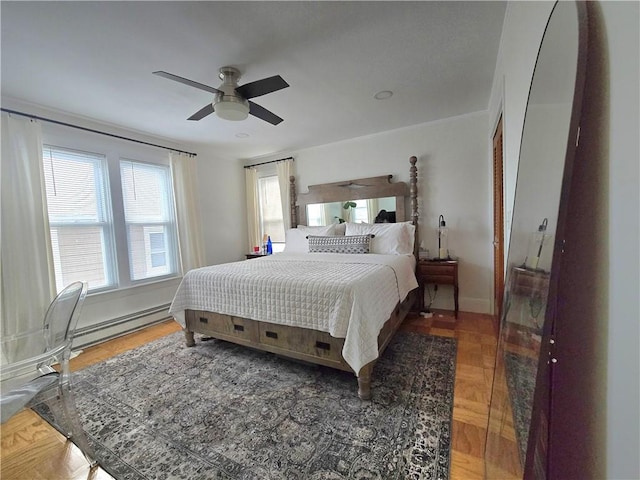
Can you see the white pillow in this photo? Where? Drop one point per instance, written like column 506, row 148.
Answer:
column 390, row 238
column 295, row 241
column 340, row 228
column 296, row 238
column 319, row 231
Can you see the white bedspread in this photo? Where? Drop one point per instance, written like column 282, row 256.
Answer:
column 348, row 296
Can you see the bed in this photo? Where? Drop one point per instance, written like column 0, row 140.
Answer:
column 322, row 300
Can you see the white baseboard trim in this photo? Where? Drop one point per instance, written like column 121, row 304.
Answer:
column 444, row 301
column 475, row 305
column 116, row 327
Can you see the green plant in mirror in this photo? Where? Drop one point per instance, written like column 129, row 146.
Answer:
column 347, row 206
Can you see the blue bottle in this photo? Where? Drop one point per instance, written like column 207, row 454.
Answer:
column 269, row 246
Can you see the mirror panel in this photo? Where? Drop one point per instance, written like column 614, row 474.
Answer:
column 517, row 431
column 366, row 210
column 381, row 190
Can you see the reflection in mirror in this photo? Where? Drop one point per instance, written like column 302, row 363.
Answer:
column 509, row 448
column 354, row 211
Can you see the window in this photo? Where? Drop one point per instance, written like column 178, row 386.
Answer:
column 271, row 222
column 149, row 218
column 79, row 217
column 157, row 249
column 109, row 237
column 315, row 214
column 360, row 212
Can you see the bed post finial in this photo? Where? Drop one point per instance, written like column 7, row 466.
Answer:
column 413, row 189
column 292, row 199
column 413, row 194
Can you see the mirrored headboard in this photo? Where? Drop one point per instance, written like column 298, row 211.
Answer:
column 324, row 203
column 331, row 197
column 369, row 210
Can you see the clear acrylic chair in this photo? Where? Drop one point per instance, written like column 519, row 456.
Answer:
column 29, row 377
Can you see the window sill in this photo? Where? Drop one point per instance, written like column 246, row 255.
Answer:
column 137, row 288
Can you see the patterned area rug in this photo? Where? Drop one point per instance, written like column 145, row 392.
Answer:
column 521, row 380
column 221, row 411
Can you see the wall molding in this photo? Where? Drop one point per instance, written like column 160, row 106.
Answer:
column 116, row 327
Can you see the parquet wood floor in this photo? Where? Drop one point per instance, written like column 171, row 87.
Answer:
column 477, row 343
column 31, row 449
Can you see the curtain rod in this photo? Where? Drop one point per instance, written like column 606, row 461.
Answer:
column 270, row 161
column 44, row 119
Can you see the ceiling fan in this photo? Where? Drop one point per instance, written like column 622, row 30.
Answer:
column 231, row 101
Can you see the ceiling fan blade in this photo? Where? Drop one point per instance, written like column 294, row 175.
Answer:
column 262, row 87
column 263, row 114
column 203, row 112
column 186, row 81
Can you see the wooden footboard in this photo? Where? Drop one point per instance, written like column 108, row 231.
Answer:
column 293, row 342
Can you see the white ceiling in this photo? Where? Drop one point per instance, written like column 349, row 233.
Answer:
column 95, row 59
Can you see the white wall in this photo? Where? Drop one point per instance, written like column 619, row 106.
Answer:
column 621, row 28
column 453, row 180
column 223, row 207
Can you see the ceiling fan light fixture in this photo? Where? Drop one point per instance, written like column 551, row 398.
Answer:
column 383, row 95
column 232, row 102
column 233, row 111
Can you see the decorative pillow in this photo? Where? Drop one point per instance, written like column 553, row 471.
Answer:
column 339, row 244
column 296, row 238
column 390, row 238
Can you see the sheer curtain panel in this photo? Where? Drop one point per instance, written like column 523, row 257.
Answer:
column 185, row 185
column 284, row 170
column 26, row 259
column 253, row 207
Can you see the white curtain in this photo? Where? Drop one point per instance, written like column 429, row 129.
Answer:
column 328, row 215
column 284, row 171
column 185, row 187
column 27, row 279
column 372, row 209
column 253, row 208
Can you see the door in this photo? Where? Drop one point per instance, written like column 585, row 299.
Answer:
column 498, row 223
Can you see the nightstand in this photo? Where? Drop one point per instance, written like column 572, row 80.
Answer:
column 529, row 283
column 255, row 255
column 438, row 272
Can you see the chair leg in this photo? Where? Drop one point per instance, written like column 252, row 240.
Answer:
column 74, row 429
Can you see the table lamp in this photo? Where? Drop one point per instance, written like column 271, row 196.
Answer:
column 443, row 233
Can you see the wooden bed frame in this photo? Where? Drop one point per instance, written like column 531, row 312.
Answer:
column 305, row 344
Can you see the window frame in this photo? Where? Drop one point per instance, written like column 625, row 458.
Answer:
column 171, row 233
column 266, row 171
column 106, row 224
column 114, row 151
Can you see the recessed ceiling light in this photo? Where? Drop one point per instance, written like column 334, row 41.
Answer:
column 242, row 135
column 383, row 95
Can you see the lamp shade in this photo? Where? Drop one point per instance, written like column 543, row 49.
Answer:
column 540, row 249
column 443, row 234
column 233, row 111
